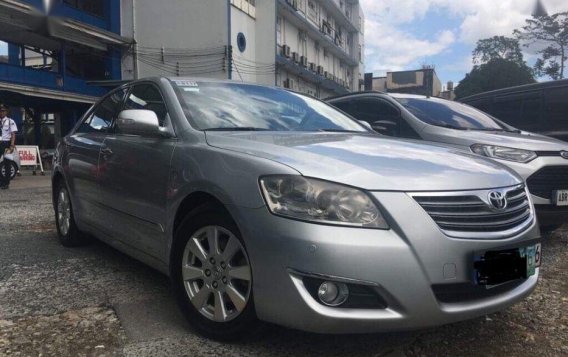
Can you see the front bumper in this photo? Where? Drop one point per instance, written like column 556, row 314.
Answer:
column 403, row 264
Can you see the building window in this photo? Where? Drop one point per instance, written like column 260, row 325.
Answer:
column 4, row 52
column 93, row 7
column 279, row 30
column 312, row 11
column 360, row 53
column 38, row 58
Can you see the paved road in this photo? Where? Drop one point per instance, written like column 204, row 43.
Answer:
column 95, row 301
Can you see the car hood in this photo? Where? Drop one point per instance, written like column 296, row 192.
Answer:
column 523, row 140
column 370, row 161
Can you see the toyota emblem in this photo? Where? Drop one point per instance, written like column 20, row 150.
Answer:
column 564, row 154
column 498, row 200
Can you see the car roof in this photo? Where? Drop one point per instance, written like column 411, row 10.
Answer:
column 363, row 93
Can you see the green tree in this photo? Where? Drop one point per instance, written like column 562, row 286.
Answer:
column 498, row 47
column 497, row 73
column 553, row 32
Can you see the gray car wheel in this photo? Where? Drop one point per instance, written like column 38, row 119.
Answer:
column 212, row 275
column 67, row 231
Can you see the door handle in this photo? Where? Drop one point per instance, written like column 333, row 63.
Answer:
column 106, row 151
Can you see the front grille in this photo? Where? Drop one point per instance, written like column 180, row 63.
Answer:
column 548, row 179
column 470, row 215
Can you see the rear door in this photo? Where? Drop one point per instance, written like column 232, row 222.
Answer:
column 135, row 179
column 82, row 159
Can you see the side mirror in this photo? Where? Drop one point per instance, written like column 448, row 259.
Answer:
column 386, row 127
column 365, row 124
column 138, row 122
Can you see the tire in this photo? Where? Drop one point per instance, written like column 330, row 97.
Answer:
column 67, row 231
column 205, row 285
column 11, row 167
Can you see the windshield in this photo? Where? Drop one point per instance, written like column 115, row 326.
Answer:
column 238, row 106
column 449, row 114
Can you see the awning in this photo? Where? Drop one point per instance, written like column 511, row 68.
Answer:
column 23, row 24
column 86, row 35
column 23, row 90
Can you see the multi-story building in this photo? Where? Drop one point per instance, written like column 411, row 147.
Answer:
column 422, row 81
column 49, row 51
column 311, row 46
column 320, row 45
column 58, row 60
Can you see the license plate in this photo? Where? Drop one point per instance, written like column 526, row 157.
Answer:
column 561, row 197
column 501, row 266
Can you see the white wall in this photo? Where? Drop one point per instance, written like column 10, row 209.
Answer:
column 245, row 63
column 192, row 26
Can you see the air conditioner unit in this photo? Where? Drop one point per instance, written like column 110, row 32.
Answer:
column 295, row 57
column 312, row 67
column 327, row 75
column 304, row 61
column 289, row 83
column 320, row 70
column 286, row 51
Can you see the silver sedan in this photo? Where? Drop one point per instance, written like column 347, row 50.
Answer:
column 267, row 205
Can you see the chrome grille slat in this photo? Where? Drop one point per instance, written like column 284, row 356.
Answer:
column 500, row 223
column 469, row 214
column 524, row 207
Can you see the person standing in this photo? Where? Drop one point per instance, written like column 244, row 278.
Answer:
column 7, row 144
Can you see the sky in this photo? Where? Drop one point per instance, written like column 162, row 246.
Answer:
column 405, row 34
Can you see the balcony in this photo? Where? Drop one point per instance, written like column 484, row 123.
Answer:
column 105, row 21
column 340, row 15
column 310, row 76
column 325, row 40
column 47, row 80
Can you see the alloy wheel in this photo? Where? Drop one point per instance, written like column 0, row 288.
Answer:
column 63, row 212
column 216, row 273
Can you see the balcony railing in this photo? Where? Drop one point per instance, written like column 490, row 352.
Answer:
column 48, row 80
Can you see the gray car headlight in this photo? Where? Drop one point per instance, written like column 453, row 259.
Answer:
column 504, row 153
column 320, row 201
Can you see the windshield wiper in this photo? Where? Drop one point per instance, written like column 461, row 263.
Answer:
column 340, row 131
column 444, row 125
column 237, row 128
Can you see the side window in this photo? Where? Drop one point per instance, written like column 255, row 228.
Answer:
column 147, row 96
column 103, row 115
column 557, row 108
column 508, row 109
column 345, row 106
column 530, row 117
column 383, row 117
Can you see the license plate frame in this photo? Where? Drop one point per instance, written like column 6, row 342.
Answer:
column 496, row 267
column 560, row 197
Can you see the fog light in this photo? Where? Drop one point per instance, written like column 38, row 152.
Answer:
column 333, row 294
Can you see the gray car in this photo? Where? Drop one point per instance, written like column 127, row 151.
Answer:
column 262, row 204
column 540, row 160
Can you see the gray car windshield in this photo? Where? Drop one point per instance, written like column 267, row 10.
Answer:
column 238, row 106
column 449, row 114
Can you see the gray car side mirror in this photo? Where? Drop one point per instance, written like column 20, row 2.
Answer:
column 138, row 122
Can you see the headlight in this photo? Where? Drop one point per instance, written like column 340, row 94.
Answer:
column 504, row 153
column 320, row 201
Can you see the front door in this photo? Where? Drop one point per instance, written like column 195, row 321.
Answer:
column 135, row 177
column 83, row 158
